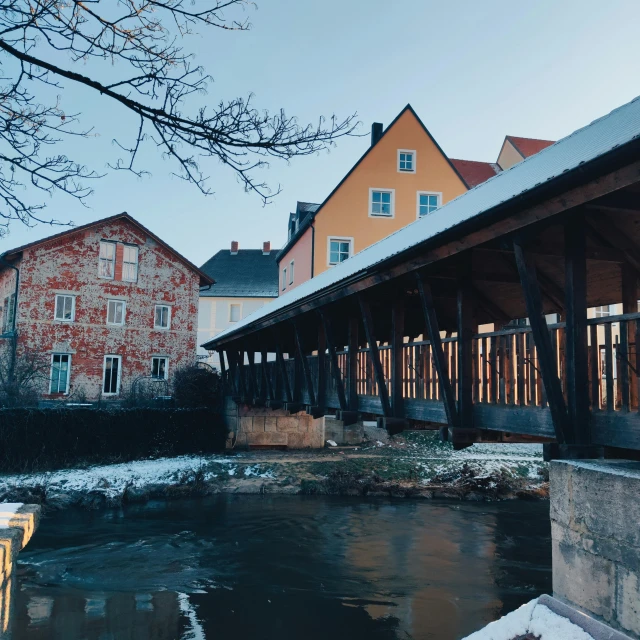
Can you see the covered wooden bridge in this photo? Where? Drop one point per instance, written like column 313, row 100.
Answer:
column 428, row 326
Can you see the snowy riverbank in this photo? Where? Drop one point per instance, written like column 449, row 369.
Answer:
column 413, row 465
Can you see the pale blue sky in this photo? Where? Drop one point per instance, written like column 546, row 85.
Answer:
column 473, row 70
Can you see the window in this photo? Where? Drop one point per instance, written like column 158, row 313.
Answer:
column 115, row 312
column 427, row 203
column 284, row 278
column 8, row 313
column 160, row 367
column 603, row 312
column 65, row 308
column 130, row 264
column 234, row 312
column 60, row 369
column 111, row 375
column 163, row 317
column 106, row 264
column 291, row 272
column 339, row 250
column 381, row 203
column 406, row 161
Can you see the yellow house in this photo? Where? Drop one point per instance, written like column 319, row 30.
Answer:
column 246, row 279
column 402, row 176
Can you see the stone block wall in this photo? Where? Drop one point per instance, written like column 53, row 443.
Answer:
column 595, row 528
column 260, row 426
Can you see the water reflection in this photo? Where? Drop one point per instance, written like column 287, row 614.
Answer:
column 281, row 567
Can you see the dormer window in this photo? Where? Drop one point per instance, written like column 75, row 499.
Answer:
column 406, row 161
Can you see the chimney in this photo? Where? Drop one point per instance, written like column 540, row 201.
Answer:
column 234, row 247
column 376, row 132
column 266, row 248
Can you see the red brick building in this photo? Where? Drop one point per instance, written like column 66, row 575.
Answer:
column 103, row 304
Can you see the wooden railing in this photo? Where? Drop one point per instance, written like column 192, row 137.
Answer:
column 505, row 374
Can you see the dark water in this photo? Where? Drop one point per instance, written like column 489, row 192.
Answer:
column 282, row 568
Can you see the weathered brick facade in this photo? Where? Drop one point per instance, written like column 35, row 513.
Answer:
column 68, row 264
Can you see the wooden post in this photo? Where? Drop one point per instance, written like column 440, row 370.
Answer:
column 352, row 364
column 576, row 331
column 533, row 301
column 304, row 364
column 242, row 385
column 465, row 327
column 322, row 371
column 397, row 368
column 431, row 321
column 223, row 370
column 367, row 320
column 265, row 392
column 283, row 370
column 253, row 380
column 333, row 358
column 630, row 305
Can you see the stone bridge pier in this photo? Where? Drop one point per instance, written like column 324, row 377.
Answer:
column 595, row 528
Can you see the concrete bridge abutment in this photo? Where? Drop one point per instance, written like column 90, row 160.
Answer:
column 595, row 528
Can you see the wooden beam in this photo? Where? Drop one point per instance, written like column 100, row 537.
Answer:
column 433, row 332
column 352, row 363
column 283, row 369
column 630, row 305
column 397, row 349
column 514, row 217
column 223, row 370
column 333, row 359
column 322, row 378
column 374, row 354
column 266, row 393
column 576, row 331
column 617, row 239
column 251, row 355
column 618, row 201
column 465, row 330
column 493, row 309
column 542, row 340
column 305, row 365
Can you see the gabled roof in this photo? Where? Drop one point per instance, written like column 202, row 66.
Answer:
column 609, row 135
column 529, row 146
column 247, row 274
column 474, row 173
column 204, row 278
column 307, row 222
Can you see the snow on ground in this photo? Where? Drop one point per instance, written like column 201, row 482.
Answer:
column 533, row 618
column 113, row 479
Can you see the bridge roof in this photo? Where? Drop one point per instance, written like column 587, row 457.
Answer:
column 571, row 154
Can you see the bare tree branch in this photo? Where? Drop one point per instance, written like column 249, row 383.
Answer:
column 157, row 83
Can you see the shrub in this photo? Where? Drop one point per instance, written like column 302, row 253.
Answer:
column 198, row 386
column 41, row 439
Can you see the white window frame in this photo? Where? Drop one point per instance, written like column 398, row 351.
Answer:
column 8, row 312
column 291, row 273
column 104, row 373
column 73, row 307
column 393, row 202
column 155, row 316
column 124, row 312
column 338, row 239
column 66, row 391
column 125, row 263
column 284, row 278
column 166, row 367
column 115, row 250
column 235, row 304
column 597, row 313
column 427, row 193
column 414, row 162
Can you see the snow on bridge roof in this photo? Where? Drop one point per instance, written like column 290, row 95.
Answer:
column 613, row 130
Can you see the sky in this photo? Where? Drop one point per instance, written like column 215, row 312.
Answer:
column 473, row 70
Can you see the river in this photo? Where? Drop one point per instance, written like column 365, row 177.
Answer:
column 280, row 567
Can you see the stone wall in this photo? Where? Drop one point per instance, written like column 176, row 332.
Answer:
column 595, row 527
column 260, row 426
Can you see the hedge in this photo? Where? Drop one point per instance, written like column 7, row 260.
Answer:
column 45, row 439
